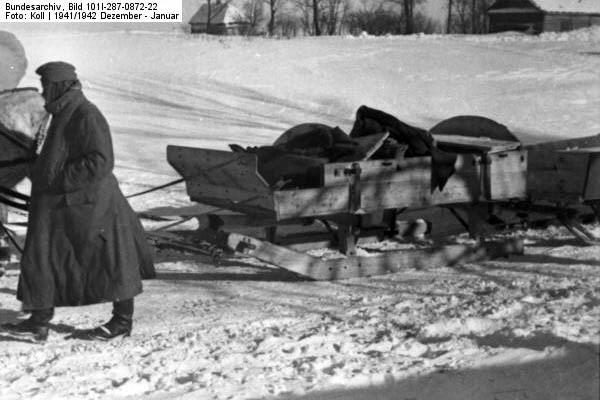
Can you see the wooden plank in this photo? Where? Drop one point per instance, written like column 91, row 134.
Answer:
column 477, row 144
column 228, row 220
column 557, row 176
column 507, row 176
column 407, row 183
column 321, row 241
column 387, row 184
column 280, row 256
column 216, row 167
column 252, row 205
column 589, row 150
column 579, row 231
column 184, row 211
column 563, row 171
column 408, row 187
column 540, row 149
column 211, row 175
column 357, row 266
column 231, row 198
column 339, row 173
column 311, row 202
column 592, row 189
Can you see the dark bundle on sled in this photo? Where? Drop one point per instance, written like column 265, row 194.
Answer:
column 296, row 157
column 418, row 142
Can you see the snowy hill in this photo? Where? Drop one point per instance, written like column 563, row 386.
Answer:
column 527, row 326
column 164, row 87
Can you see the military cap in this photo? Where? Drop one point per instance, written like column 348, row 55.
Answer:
column 57, row 71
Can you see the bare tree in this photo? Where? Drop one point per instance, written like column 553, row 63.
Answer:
column 288, row 24
column 426, row 24
column 474, row 24
column 408, row 13
column 462, row 22
column 253, row 14
column 409, row 16
column 344, row 12
column 316, row 16
column 208, row 16
column 320, row 17
column 334, row 11
column 467, row 16
column 449, row 20
column 374, row 19
column 304, row 8
column 273, row 8
column 377, row 19
column 480, row 15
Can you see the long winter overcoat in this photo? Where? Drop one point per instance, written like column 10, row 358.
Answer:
column 84, row 244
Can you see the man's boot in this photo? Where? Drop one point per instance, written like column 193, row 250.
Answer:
column 35, row 327
column 119, row 325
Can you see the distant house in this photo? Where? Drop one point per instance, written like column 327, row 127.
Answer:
column 537, row 16
column 225, row 19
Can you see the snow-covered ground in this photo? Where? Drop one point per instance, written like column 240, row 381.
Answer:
column 523, row 328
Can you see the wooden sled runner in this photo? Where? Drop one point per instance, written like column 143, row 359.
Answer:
column 353, row 266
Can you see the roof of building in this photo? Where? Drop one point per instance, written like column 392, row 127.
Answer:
column 549, row 6
column 223, row 13
column 569, row 6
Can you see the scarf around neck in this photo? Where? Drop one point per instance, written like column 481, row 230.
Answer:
column 54, row 152
column 61, row 96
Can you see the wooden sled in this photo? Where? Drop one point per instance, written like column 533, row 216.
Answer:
column 359, row 201
column 353, row 201
column 231, row 181
column 566, row 174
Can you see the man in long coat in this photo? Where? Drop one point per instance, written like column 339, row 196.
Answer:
column 84, row 244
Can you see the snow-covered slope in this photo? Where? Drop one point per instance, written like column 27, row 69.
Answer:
column 167, row 87
column 526, row 327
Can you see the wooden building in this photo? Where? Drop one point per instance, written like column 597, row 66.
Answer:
column 536, row 16
column 225, row 19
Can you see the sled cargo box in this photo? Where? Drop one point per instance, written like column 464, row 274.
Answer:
column 486, row 170
column 566, row 171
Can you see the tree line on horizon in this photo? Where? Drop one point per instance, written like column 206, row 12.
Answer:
column 288, row 18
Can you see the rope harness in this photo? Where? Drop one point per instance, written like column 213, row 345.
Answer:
column 20, row 201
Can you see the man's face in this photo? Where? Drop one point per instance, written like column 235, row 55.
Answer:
column 45, row 91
